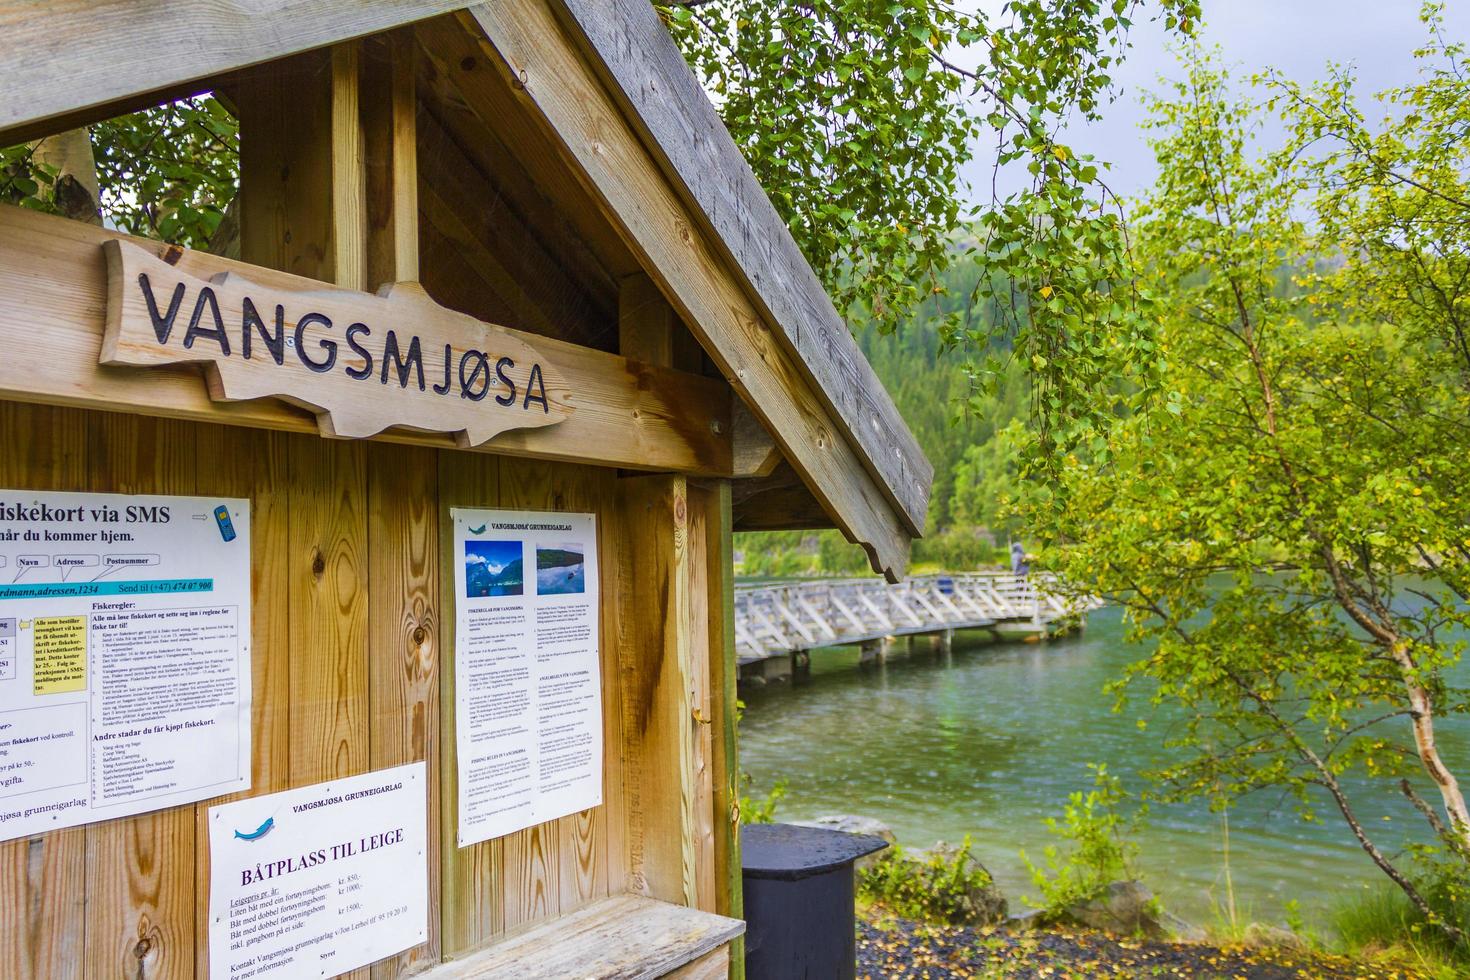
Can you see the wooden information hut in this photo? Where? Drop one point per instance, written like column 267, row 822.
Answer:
column 540, row 182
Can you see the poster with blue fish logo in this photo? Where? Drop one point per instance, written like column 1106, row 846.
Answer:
column 528, row 627
column 319, row 880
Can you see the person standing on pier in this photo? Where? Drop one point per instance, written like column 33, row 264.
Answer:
column 1019, row 565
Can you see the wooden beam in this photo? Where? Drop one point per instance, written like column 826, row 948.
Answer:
column 405, row 618
column 778, row 502
column 346, row 181
column 653, row 85
column 132, row 48
column 756, row 453
column 53, row 300
column 27, row 132
column 663, row 651
column 554, row 85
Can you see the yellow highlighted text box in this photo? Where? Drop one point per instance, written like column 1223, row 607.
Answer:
column 60, row 645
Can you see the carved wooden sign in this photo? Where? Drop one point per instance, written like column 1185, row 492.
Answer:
column 362, row 362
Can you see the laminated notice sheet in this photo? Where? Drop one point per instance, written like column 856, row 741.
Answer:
column 319, row 880
column 528, row 686
column 124, row 655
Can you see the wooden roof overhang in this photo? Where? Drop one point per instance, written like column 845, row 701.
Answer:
column 573, row 183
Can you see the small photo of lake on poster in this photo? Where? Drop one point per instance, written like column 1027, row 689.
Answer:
column 493, row 568
column 560, row 570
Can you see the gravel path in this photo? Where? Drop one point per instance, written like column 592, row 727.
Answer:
column 897, row 949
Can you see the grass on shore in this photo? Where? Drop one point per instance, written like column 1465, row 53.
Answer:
column 891, row 948
column 1374, row 934
column 1376, row 927
column 1380, row 925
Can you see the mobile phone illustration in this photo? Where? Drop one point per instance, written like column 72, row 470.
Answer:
column 226, row 526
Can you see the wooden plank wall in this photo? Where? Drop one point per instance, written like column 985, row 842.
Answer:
column 352, row 628
column 43, row 880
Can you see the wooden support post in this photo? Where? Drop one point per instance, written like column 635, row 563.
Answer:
column 871, row 652
column 349, row 201
column 329, row 187
column 389, row 109
column 756, row 453
column 301, row 173
column 724, row 673
column 671, row 652
column 650, row 331
column 406, row 616
column 656, row 654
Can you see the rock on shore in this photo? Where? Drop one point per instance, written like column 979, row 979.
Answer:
column 850, row 823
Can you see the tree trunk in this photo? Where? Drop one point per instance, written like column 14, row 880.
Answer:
column 75, row 191
column 1421, row 707
column 226, row 238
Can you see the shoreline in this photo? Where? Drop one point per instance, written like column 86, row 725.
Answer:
column 891, row 948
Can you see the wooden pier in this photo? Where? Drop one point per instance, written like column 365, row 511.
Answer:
column 792, row 618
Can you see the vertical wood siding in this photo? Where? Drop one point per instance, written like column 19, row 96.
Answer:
column 352, row 670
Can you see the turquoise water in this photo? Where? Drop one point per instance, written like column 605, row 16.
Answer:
column 990, row 740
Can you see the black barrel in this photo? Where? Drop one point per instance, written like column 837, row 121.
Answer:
column 799, row 901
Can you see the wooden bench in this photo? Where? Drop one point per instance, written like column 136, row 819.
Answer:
column 625, row 937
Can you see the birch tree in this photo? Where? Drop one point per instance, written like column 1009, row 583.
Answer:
column 1288, row 519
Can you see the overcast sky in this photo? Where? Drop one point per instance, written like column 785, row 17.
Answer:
column 1299, row 37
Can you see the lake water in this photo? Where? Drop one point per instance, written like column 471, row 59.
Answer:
column 990, row 741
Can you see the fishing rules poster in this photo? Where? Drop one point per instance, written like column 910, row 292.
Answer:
column 528, row 683
column 124, row 655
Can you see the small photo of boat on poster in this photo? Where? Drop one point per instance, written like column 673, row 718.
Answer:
column 493, row 568
column 561, row 570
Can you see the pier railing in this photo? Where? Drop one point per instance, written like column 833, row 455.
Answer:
column 781, row 618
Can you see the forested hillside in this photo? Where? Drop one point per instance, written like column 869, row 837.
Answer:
column 961, row 436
